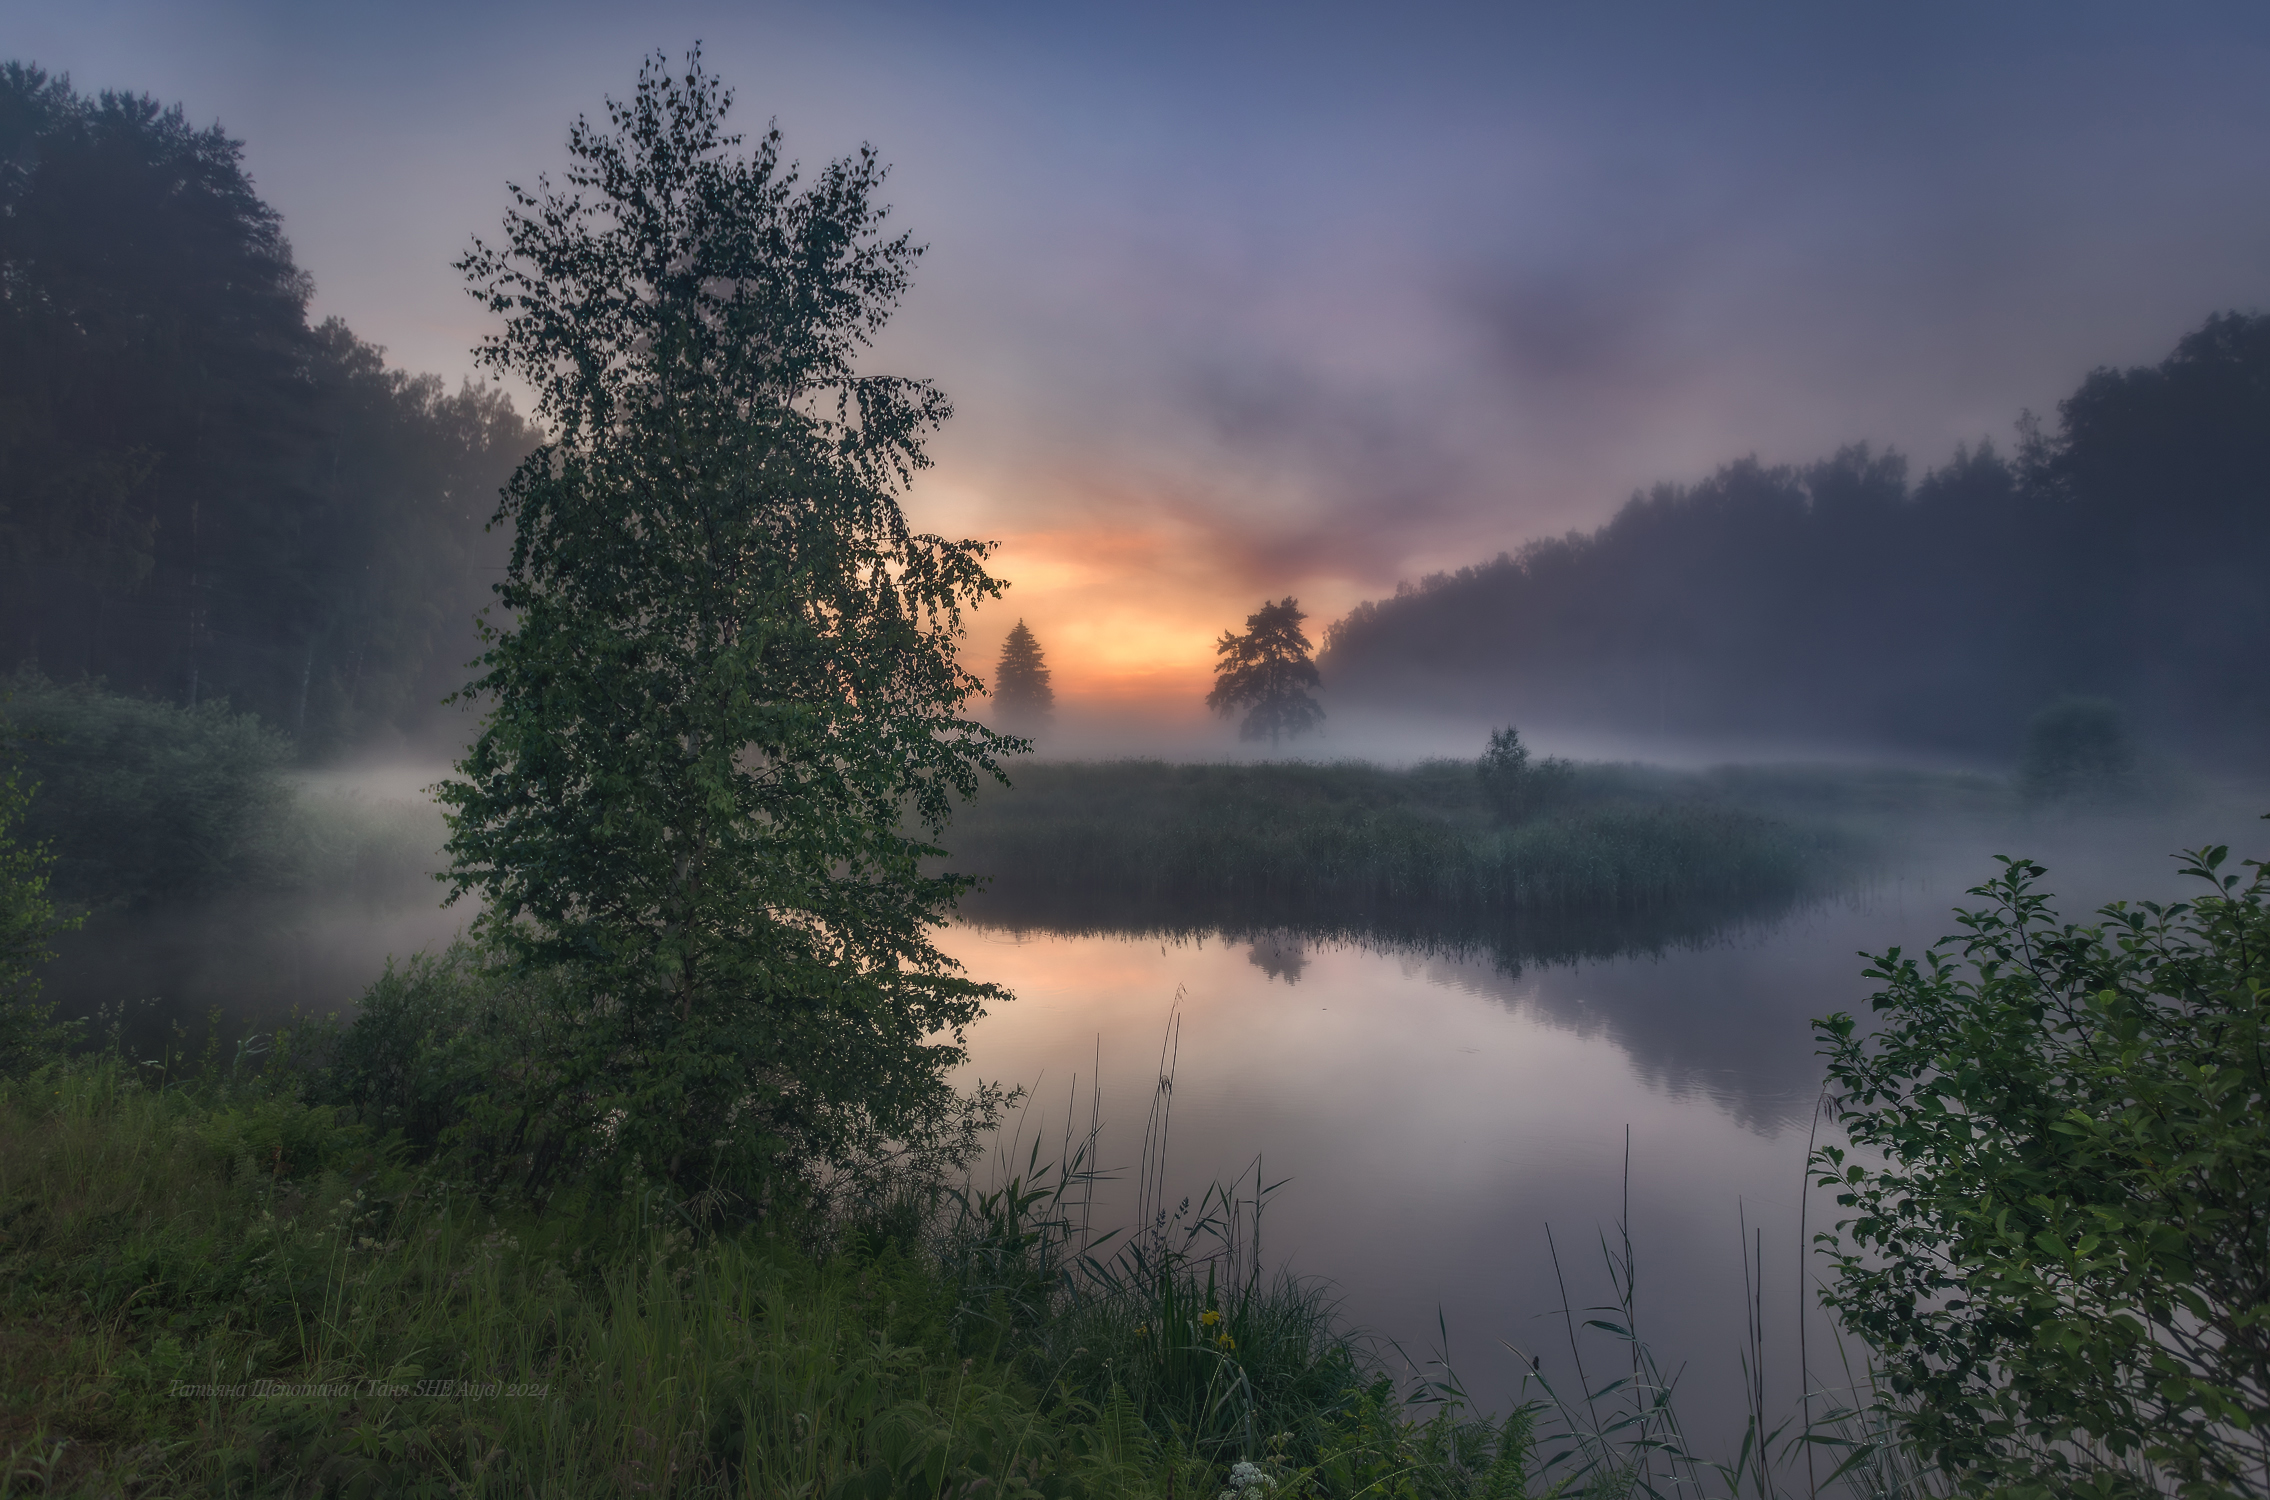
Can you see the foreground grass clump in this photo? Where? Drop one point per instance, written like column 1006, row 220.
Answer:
column 222, row 1288
column 234, row 1292
column 1254, row 843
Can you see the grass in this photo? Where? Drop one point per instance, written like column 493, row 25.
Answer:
column 1623, row 854
column 216, row 1286
column 231, row 1292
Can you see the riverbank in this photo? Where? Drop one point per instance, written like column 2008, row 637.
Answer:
column 1357, row 845
column 220, row 1286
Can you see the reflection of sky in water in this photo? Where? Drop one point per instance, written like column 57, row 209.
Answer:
column 1430, row 1138
column 1434, row 1108
column 1435, row 1111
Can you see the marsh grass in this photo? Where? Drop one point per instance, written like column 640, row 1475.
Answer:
column 1179, row 1315
column 1168, row 847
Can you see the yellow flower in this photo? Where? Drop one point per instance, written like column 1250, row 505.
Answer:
column 1209, row 1318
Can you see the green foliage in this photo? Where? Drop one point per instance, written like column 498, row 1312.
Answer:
column 141, row 799
column 464, row 1056
column 1267, row 672
column 1020, row 681
column 1326, row 847
column 1517, row 789
column 28, row 1033
column 730, row 666
column 2061, row 1261
column 217, row 1289
column 2077, row 751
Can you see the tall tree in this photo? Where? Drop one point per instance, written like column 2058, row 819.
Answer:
column 730, row 668
column 1021, row 693
column 1266, row 671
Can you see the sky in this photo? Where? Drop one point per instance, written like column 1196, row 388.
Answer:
column 1239, row 301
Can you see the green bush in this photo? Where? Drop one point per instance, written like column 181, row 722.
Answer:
column 2062, row 1261
column 141, row 799
column 458, row 1054
column 28, row 1032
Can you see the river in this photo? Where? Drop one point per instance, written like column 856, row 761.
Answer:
column 1431, row 1110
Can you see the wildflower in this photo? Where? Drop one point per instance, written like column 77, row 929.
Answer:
column 1246, row 1481
column 1209, row 1318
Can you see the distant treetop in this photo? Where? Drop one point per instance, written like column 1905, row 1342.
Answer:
column 1021, row 694
column 1266, row 671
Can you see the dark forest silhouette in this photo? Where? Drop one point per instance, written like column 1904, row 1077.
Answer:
column 2123, row 556
column 201, row 495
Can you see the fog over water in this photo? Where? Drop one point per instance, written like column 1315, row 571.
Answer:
column 1431, row 1108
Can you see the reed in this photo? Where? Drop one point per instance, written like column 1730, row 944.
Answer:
column 1365, row 847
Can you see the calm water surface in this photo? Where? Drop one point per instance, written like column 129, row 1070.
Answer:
column 1435, row 1113
column 1432, row 1110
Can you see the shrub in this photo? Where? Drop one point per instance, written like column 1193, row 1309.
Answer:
column 1517, row 787
column 461, row 1054
column 2063, row 1262
column 141, row 799
column 27, row 920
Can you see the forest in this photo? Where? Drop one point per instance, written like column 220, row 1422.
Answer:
column 2118, row 554
column 202, row 495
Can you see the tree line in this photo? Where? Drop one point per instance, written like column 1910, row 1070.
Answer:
column 2119, row 555
column 202, row 494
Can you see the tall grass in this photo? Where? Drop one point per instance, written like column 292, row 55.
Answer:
column 1360, row 848
column 230, row 1292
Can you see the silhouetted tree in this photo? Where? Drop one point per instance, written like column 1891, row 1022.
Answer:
column 1021, row 693
column 2077, row 750
column 1515, row 785
column 1266, row 671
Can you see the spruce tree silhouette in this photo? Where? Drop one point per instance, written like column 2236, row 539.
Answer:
column 1021, row 694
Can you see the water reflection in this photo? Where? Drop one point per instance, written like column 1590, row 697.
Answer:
column 1707, row 999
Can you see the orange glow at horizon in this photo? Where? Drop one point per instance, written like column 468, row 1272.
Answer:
column 1129, row 615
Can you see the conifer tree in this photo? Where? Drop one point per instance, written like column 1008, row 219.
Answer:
column 1021, row 692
